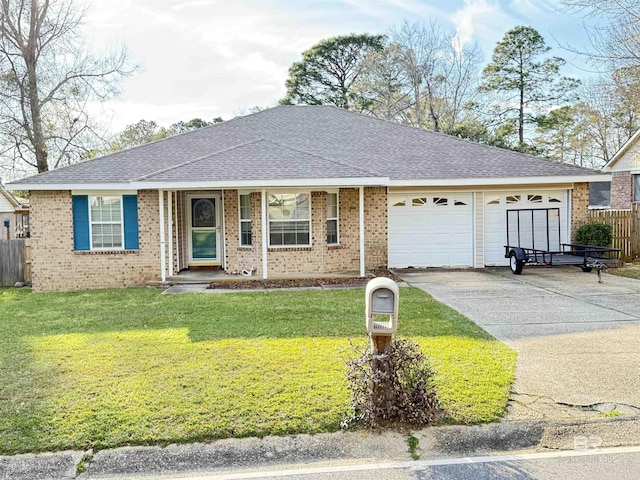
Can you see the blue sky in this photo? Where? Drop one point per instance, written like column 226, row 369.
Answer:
column 209, row 58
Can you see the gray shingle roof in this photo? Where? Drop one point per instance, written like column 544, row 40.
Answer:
column 316, row 142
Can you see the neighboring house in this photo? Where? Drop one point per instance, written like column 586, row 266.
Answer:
column 289, row 190
column 625, row 169
column 16, row 210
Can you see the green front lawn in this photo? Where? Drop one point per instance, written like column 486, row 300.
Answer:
column 629, row 272
column 121, row 367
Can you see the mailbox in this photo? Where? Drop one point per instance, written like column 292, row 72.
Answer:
column 6, row 222
column 381, row 306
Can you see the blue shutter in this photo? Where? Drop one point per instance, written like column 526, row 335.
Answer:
column 80, row 206
column 130, row 211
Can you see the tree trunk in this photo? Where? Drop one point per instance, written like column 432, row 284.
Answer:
column 521, row 117
column 434, row 117
column 38, row 140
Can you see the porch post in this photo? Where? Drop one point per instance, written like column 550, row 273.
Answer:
column 163, row 273
column 223, row 229
column 176, row 224
column 170, row 215
column 265, row 250
column 361, row 219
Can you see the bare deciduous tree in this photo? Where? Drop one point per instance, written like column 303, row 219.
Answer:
column 383, row 84
column 616, row 40
column 47, row 80
column 442, row 74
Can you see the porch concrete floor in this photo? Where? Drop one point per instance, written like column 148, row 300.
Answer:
column 207, row 276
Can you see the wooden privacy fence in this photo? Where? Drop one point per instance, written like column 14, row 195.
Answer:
column 626, row 229
column 15, row 261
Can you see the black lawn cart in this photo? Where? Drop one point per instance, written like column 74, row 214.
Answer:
column 533, row 236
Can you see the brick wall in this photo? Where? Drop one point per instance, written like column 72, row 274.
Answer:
column 57, row 267
column 579, row 207
column 375, row 215
column 319, row 258
column 248, row 257
column 621, row 190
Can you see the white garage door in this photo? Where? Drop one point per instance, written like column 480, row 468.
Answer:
column 496, row 205
column 430, row 230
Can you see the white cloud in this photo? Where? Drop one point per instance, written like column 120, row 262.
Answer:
column 534, row 8
column 212, row 58
column 481, row 20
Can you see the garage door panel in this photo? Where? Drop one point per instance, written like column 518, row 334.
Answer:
column 495, row 224
column 426, row 232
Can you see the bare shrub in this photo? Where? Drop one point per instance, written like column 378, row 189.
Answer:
column 395, row 388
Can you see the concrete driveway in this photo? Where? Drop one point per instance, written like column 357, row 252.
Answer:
column 578, row 341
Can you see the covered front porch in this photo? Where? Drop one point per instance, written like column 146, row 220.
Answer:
column 212, row 235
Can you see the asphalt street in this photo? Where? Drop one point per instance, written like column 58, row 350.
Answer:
column 590, row 464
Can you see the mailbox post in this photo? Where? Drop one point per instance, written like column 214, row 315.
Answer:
column 381, row 306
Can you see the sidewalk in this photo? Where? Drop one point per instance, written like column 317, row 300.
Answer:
column 221, row 456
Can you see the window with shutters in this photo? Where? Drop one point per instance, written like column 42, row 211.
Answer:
column 105, row 222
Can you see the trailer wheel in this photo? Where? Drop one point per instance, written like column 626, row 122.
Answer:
column 586, row 269
column 515, row 264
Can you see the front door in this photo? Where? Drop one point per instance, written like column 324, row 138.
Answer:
column 204, row 231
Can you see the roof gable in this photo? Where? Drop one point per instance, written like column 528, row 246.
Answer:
column 9, row 198
column 627, row 157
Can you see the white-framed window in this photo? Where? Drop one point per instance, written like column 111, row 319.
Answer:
column 289, row 219
column 333, row 237
column 244, row 211
column 105, row 222
column 636, row 188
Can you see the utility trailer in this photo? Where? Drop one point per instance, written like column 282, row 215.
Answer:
column 533, row 236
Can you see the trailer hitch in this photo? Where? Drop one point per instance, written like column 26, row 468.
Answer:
column 598, row 266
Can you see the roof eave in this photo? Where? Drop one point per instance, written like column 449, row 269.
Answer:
column 213, row 185
column 463, row 182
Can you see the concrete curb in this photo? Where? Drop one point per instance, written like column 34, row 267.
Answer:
column 221, row 455
column 58, row 465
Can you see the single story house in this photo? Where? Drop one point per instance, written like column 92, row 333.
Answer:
column 14, row 211
column 289, row 190
column 625, row 169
